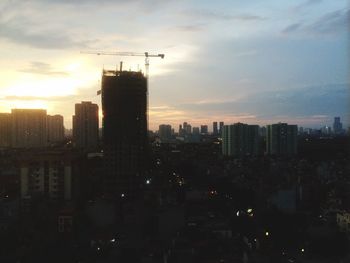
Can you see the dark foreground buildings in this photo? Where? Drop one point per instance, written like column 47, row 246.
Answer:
column 125, row 140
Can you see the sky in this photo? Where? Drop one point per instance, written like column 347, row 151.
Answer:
column 256, row 62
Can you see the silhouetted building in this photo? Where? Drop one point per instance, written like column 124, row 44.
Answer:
column 281, row 139
column 85, row 125
column 240, row 140
column 262, row 132
column 337, row 126
column 5, row 130
column 221, row 125
column 215, row 128
column 204, row 129
column 195, row 131
column 164, row 132
column 187, row 128
column 326, row 130
column 125, row 138
column 29, row 128
column 55, row 128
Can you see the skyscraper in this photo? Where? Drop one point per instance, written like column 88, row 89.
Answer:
column 5, row 130
column 204, row 129
column 281, row 139
column 85, row 125
column 240, row 140
column 29, row 128
column 164, row 132
column 221, row 125
column 337, row 126
column 215, row 128
column 55, row 128
column 187, row 128
column 125, row 139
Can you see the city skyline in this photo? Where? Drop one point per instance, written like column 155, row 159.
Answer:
column 250, row 63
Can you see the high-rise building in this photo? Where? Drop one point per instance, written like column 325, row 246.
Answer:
column 5, row 130
column 337, row 126
column 281, row 139
column 215, row 128
column 181, row 131
column 204, row 129
column 85, row 125
column 164, row 132
column 55, row 128
column 125, row 138
column 195, row 131
column 326, row 130
column 221, row 125
column 240, row 140
column 187, row 128
column 29, row 128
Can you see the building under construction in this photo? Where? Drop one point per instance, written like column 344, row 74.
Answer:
column 125, row 139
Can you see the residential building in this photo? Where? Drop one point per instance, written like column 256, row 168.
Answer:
column 281, row 139
column 29, row 128
column 85, row 125
column 240, row 139
column 215, row 128
column 55, row 128
column 5, row 130
column 165, row 132
column 48, row 174
column 204, row 129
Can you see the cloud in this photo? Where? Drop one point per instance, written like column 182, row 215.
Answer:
column 211, row 15
column 328, row 24
column 291, row 28
column 312, row 102
column 37, row 67
column 306, row 4
column 34, row 98
column 190, row 28
column 47, row 39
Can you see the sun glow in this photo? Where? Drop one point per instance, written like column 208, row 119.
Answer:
column 45, row 88
column 24, row 104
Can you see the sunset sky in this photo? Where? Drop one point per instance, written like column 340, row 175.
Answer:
column 249, row 61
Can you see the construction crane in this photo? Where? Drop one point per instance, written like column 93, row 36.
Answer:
column 132, row 54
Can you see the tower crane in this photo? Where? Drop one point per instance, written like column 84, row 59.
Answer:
column 147, row 55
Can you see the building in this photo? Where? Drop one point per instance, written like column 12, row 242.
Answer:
column 221, row 125
column 343, row 221
column 326, row 130
column 281, row 139
column 187, row 128
column 165, row 132
column 337, row 126
column 204, row 129
column 55, row 128
column 46, row 174
column 215, row 128
column 125, row 125
column 85, row 125
column 29, row 128
column 5, row 130
column 240, row 140
column 195, row 131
